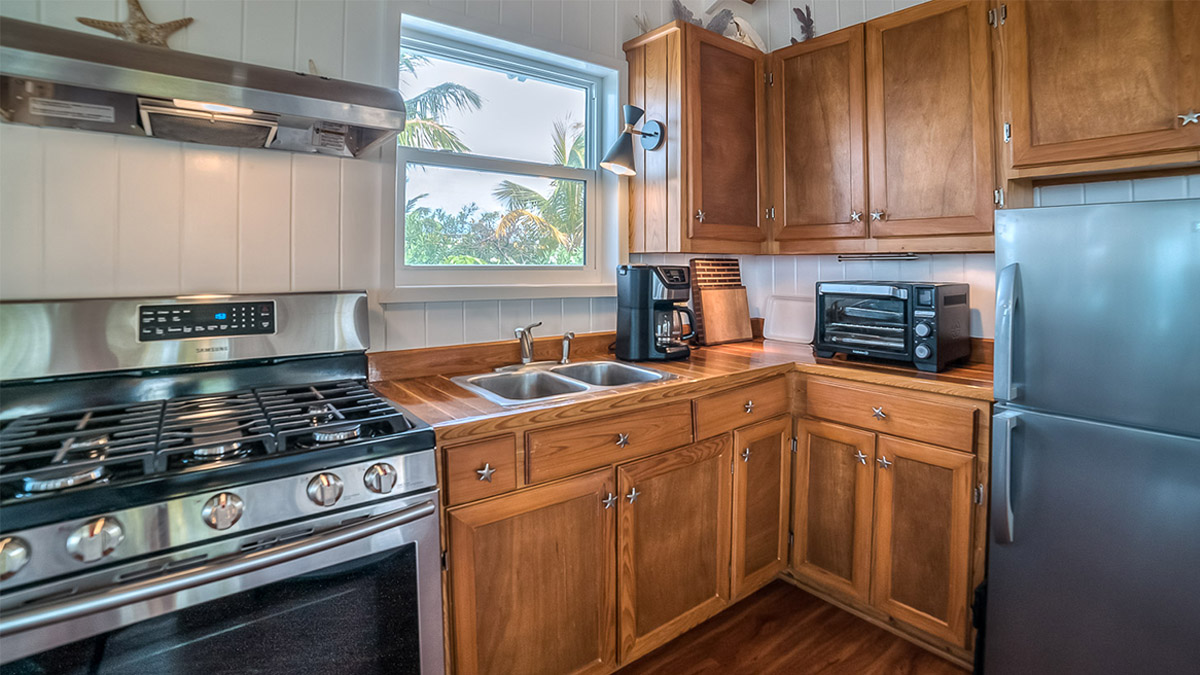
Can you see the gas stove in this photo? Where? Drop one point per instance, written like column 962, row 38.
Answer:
column 133, row 446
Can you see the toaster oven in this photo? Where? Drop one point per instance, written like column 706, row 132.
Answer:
column 925, row 324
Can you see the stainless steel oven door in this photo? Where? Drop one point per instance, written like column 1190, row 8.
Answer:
column 363, row 596
column 865, row 319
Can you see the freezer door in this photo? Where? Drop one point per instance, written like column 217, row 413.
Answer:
column 1098, row 312
column 1094, row 560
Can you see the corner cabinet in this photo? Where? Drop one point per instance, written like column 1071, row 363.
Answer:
column 704, row 189
column 1100, row 80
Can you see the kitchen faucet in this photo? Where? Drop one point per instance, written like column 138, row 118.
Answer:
column 525, row 335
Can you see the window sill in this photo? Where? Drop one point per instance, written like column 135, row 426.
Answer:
column 496, row 292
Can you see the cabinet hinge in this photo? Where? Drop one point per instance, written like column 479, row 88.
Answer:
column 769, row 79
column 769, row 213
column 978, row 497
column 794, row 444
column 1007, row 132
column 997, row 16
column 998, row 196
column 791, row 537
column 443, row 560
column 731, row 463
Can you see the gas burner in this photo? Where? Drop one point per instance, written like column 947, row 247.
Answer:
column 337, row 434
column 226, row 443
column 63, row 480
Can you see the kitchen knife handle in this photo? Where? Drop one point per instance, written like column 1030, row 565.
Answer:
column 1008, row 289
column 1003, row 425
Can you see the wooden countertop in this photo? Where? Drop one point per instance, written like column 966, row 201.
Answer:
column 457, row 413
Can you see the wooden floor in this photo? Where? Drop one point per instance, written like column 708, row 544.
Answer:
column 782, row 629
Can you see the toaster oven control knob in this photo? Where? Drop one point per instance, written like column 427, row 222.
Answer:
column 325, row 489
column 95, row 539
column 922, row 351
column 14, row 554
column 223, row 511
column 922, row 329
column 380, row 478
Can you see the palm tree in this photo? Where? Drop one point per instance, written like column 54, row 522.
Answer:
column 558, row 215
column 424, row 127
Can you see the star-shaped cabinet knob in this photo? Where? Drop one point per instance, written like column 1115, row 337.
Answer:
column 486, row 472
column 862, row 459
column 137, row 27
column 1189, row 117
column 610, row 501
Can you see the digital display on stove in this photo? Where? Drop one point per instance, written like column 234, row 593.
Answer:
column 218, row 319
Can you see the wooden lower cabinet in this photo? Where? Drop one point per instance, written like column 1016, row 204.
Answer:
column 831, row 520
column 674, row 542
column 923, row 515
column 761, row 496
column 532, row 579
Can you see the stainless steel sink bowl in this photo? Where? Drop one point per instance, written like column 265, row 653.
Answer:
column 608, row 373
column 525, row 385
column 517, row 385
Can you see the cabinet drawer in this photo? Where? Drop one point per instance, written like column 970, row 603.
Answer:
column 571, row 448
column 481, row 469
column 894, row 412
column 728, row 410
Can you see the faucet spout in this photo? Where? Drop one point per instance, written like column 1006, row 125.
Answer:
column 525, row 336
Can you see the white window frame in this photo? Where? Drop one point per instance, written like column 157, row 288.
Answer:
column 602, row 249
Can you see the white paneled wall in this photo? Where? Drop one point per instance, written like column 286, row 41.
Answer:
column 86, row 214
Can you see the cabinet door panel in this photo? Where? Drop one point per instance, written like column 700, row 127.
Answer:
column 929, row 120
column 923, row 536
column 818, row 137
column 761, row 478
column 533, row 580
column 727, row 157
column 674, row 542
column 834, row 495
column 1096, row 79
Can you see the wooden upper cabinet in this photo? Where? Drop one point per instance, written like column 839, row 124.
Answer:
column 1101, row 79
column 727, row 159
column 929, row 121
column 761, row 478
column 834, row 492
column 708, row 92
column 923, row 536
column 674, row 543
column 817, row 129
column 532, row 580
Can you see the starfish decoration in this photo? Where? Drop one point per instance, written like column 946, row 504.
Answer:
column 137, row 27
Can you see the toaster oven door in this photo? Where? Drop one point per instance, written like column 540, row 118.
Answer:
column 865, row 319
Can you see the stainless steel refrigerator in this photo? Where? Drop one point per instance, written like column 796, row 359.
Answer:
column 1094, row 555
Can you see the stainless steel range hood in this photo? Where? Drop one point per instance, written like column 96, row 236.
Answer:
column 61, row 78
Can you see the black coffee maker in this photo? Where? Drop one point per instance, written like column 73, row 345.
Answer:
column 648, row 299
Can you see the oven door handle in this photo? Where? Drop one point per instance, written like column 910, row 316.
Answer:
column 114, row 598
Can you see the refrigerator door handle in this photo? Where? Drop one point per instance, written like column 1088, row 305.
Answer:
column 1008, row 289
column 1003, row 425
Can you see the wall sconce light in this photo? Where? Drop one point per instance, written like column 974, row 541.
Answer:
column 619, row 158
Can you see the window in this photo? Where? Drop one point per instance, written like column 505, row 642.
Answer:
column 497, row 164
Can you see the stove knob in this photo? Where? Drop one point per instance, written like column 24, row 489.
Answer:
column 380, row 478
column 223, row 511
column 922, row 329
column 14, row 554
column 922, row 351
column 95, row 540
column 325, row 489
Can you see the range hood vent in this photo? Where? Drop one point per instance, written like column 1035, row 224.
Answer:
column 61, row 78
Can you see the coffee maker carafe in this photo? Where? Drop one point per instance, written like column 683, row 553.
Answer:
column 648, row 299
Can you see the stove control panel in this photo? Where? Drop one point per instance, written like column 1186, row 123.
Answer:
column 218, row 319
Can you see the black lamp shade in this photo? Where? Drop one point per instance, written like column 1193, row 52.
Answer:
column 619, row 158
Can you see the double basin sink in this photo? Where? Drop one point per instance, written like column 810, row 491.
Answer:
column 540, row 381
